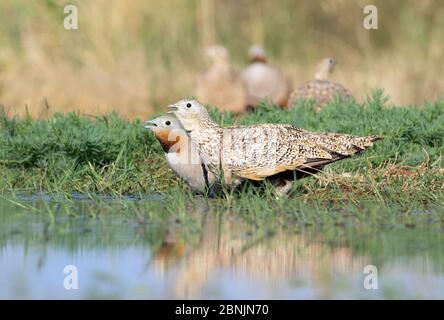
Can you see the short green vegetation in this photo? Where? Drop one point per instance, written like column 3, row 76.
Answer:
column 109, row 155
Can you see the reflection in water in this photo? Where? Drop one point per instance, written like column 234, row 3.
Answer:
column 204, row 255
column 228, row 245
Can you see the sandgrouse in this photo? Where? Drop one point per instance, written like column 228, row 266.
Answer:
column 265, row 81
column 181, row 155
column 221, row 85
column 257, row 152
column 321, row 90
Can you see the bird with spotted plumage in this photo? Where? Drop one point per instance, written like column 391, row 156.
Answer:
column 262, row 151
column 321, row 90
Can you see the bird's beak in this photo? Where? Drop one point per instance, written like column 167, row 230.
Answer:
column 149, row 124
column 172, row 108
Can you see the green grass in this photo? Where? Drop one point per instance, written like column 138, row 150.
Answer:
column 66, row 180
column 74, row 153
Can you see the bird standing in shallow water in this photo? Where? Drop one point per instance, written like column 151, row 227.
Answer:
column 321, row 90
column 180, row 154
column 221, row 85
column 262, row 151
column 265, row 81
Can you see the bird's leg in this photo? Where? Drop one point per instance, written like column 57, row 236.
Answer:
column 284, row 187
column 226, row 176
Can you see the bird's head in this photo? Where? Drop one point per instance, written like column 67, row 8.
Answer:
column 257, row 54
column 324, row 68
column 166, row 122
column 167, row 129
column 189, row 113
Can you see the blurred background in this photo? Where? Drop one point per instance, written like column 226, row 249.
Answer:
column 137, row 56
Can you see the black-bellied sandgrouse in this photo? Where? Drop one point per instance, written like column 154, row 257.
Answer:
column 257, row 152
column 181, row 155
column 321, row 90
column 221, row 85
column 265, row 81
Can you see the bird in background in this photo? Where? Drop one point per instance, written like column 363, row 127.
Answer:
column 221, row 85
column 321, row 90
column 257, row 152
column 181, row 155
column 265, row 81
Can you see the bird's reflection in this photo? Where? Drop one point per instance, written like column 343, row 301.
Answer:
column 229, row 244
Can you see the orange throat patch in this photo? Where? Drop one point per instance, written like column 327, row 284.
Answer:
column 168, row 143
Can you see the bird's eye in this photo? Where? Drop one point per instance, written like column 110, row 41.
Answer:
column 188, row 105
column 168, row 122
column 331, row 61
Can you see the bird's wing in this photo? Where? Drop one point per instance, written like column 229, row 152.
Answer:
column 322, row 91
column 282, row 148
column 344, row 144
column 294, row 149
column 260, row 173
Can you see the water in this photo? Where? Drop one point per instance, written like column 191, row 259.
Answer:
column 131, row 249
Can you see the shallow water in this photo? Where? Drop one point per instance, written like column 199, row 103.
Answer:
column 129, row 248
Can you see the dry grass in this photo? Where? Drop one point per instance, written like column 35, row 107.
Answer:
column 137, row 56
